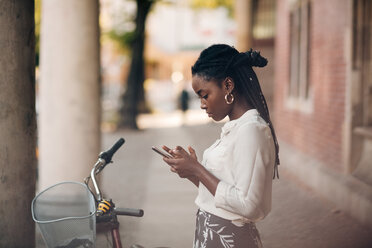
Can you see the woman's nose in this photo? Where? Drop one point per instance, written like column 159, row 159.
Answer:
column 203, row 105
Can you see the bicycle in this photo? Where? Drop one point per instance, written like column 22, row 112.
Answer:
column 69, row 213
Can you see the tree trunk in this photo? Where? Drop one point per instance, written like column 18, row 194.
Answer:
column 134, row 93
column 18, row 123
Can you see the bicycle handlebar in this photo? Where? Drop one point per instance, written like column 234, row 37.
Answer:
column 129, row 212
column 107, row 155
column 103, row 159
column 119, row 211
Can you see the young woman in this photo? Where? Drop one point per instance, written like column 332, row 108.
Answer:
column 235, row 175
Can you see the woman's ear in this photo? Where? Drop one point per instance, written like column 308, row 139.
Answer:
column 229, row 84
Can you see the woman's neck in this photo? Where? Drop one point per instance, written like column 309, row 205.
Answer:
column 240, row 107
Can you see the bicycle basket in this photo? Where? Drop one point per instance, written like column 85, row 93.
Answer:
column 65, row 214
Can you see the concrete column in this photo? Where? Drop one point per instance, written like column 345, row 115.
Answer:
column 243, row 17
column 17, row 123
column 69, row 90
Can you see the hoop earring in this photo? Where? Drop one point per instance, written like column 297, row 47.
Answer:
column 226, row 98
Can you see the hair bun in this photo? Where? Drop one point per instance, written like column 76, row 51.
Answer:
column 255, row 58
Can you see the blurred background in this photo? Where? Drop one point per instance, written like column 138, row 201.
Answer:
column 78, row 75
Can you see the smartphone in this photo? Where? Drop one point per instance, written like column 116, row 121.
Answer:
column 163, row 153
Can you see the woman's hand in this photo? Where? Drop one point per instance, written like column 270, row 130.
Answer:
column 185, row 164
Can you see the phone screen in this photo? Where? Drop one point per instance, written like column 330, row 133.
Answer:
column 163, row 153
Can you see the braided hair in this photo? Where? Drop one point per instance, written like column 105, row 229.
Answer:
column 220, row 61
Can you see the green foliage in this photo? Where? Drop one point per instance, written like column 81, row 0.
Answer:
column 124, row 40
column 37, row 30
column 123, row 32
column 212, row 4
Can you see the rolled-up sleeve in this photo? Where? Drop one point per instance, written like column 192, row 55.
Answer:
column 252, row 166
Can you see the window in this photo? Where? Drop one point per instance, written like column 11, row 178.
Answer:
column 358, row 157
column 299, row 50
column 263, row 12
column 362, row 57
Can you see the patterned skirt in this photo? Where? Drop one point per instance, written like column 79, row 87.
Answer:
column 215, row 232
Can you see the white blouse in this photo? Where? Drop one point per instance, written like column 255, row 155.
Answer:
column 243, row 160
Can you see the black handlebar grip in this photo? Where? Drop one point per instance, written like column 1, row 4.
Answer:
column 129, row 212
column 107, row 155
column 116, row 146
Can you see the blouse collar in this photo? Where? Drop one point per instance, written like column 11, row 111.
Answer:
column 246, row 116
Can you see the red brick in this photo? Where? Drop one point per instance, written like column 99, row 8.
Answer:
column 319, row 133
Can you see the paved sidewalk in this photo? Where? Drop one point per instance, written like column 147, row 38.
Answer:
column 140, row 179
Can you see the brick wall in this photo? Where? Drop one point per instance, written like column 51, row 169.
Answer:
column 317, row 133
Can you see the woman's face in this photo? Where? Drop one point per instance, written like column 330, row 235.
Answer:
column 212, row 97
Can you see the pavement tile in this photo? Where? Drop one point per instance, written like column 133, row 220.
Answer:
column 139, row 178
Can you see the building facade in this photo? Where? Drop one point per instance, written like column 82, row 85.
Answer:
column 323, row 98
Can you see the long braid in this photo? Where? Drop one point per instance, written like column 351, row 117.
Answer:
column 254, row 96
column 221, row 61
column 277, row 160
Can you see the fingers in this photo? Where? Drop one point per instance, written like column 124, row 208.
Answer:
column 181, row 175
column 192, row 152
column 180, row 151
column 174, row 170
column 176, row 152
column 170, row 161
column 167, row 149
column 172, row 152
column 180, row 155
